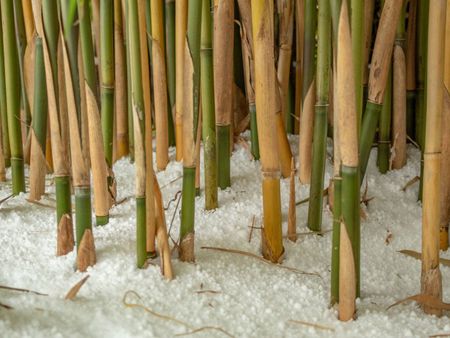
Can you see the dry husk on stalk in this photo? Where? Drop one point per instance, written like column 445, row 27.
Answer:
column 431, row 279
column 292, row 215
column 65, row 241
column 86, row 252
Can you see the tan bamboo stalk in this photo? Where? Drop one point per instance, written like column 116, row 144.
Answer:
column 160, row 84
column 223, row 43
column 148, row 138
column 299, row 28
column 431, row 279
column 445, row 176
column 399, row 100
column 96, row 28
column 265, row 76
column 161, row 234
column 286, row 34
column 120, row 104
column 180, row 36
column 28, row 19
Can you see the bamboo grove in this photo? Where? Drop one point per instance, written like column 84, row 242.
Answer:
column 84, row 83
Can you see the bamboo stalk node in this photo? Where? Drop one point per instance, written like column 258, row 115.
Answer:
column 271, row 174
column 65, row 240
column 86, row 251
column 186, row 249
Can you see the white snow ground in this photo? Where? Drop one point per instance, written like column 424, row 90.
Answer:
column 252, row 299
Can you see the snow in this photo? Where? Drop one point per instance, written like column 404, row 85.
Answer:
column 250, row 298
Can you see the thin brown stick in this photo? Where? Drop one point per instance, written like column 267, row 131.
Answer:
column 314, row 325
column 3, row 287
column 262, row 259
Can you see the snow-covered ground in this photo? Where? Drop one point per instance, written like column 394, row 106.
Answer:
column 239, row 294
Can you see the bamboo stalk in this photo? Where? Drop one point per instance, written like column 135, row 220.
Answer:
column 431, row 280
column 191, row 101
column 445, row 177
column 369, row 6
column 263, row 38
column 410, row 55
column 107, row 76
column 120, row 103
column 160, row 84
column 292, row 213
column 180, row 36
column 129, row 92
column 308, row 92
column 223, row 84
column 421, row 78
column 399, row 119
column 47, row 27
column 348, row 147
column 3, row 108
column 320, row 119
column 249, row 70
column 286, row 32
column 28, row 19
column 12, row 83
column 169, row 12
column 357, row 8
column 384, row 130
column 208, row 111
column 148, row 138
column 299, row 44
column 39, row 127
column 2, row 159
column 379, row 69
column 80, row 169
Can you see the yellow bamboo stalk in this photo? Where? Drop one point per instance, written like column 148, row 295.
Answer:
column 180, row 36
column 265, row 82
column 300, row 29
column 431, row 280
column 2, row 159
column 369, row 6
column 160, row 85
column 83, row 110
column 306, row 134
column 445, row 176
column 28, row 19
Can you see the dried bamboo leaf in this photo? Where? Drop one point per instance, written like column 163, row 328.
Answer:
column 418, row 255
column 86, row 251
column 74, row 290
column 65, row 241
column 424, row 300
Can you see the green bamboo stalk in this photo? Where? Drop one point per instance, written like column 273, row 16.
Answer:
column 22, row 44
column 39, row 126
column 321, row 115
column 384, row 133
column 421, row 73
column 209, row 122
column 87, row 46
column 138, row 119
column 170, row 65
column 3, row 109
column 410, row 47
column 83, row 212
column 12, row 81
column 357, row 29
column 337, row 216
column 129, row 92
column 69, row 22
column 190, row 125
column 107, row 76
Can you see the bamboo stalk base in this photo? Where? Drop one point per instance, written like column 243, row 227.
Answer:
column 86, row 252
column 431, row 284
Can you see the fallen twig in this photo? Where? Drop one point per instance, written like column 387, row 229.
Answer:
column 40, row 204
column 204, row 329
column 411, row 182
column 174, row 180
column 440, row 335
column 418, row 255
column 316, row 326
column 6, row 198
column 430, row 301
column 324, row 193
column 5, row 306
column 22, row 290
column 318, row 233
column 207, row 291
column 172, row 200
column 252, row 226
column 249, row 254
